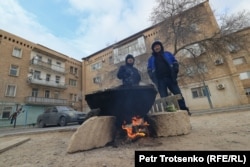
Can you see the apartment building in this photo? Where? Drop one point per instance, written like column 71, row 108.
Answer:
column 224, row 78
column 33, row 77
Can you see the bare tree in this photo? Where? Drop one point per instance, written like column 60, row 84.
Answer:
column 195, row 35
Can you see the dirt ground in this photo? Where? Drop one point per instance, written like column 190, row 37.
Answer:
column 218, row 131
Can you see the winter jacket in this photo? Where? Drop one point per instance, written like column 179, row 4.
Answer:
column 128, row 74
column 170, row 59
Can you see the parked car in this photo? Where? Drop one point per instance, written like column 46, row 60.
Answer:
column 60, row 115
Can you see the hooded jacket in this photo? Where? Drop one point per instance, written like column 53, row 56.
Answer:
column 128, row 74
column 168, row 58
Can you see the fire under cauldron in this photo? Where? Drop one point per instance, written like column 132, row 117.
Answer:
column 123, row 102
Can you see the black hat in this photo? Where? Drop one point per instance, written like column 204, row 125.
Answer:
column 157, row 43
column 128, row 57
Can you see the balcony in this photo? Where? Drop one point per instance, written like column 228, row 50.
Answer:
column 45, row 101
column 47, row 66
column 44, row 82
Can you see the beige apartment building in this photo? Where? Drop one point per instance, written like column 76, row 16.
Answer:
column 227, row 80
column 33, row 77
column 226, row 75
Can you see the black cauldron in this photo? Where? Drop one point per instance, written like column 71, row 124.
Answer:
column 123, row 102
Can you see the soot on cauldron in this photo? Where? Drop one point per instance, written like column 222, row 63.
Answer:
column 123, row 102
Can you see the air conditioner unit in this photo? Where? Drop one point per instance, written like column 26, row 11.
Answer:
column 218, row 61
column 220, row 86
column 233, row 50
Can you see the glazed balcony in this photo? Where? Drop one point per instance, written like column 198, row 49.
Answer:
column 45, row 101
column 44, row 82
column 47, row 66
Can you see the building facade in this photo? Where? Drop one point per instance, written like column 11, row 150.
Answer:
column 223, row 79
column 33, row 77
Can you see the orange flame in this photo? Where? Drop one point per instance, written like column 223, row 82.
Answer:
column 136, row 128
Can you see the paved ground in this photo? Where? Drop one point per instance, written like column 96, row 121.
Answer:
column 218, row 131
column 6, row 131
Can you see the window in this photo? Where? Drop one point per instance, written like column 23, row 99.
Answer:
column 47, row 94
column 48, row 77
column 14, row 70
column 194, row 27
column 245, row 75
column 200, row 68
column 71, row 70
column 50, row 109
column 73, row 97
column 34, row 92
column 58, row 63
column 193, row 50
column 247, row 90
column 97, row 66
column 136, row 47
column 39, row 57
column 97, row 80
column 49, row 61
column 11, row 90
column 58, row 79
column 56, row 95
column 233, row 47
column 199, row 92
column 37, row 75
column 17, row 52
column 5, row 113
column 238, row 61
column 111, row 60
column 75, row 71
column 190, row 71
column 72, row 82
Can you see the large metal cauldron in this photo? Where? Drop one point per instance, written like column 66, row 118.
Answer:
column 123, row 102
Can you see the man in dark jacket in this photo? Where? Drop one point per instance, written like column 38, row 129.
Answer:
column 163, row 69
column 128, row 73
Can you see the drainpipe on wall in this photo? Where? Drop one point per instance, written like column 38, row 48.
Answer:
column 208, row 95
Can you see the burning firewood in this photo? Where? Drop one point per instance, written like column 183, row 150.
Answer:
column 138, row 128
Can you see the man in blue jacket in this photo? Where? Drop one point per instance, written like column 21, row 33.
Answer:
column 163, row 69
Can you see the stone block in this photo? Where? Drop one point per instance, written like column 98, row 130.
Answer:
column 171, row 123
column 95, row 132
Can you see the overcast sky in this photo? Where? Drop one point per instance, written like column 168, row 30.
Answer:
column 78, row 28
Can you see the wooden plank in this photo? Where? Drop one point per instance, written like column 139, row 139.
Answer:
column 162, row 103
